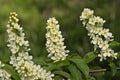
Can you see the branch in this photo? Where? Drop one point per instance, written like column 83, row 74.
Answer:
column 102, row 70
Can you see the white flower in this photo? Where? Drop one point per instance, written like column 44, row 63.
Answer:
column 12, row 36
column 107, row 34
column 20, row 58
column 20, row 40
column 104, row 45
column 99, row 21
column 17, row 26
column 99, row 31
column 55, row 45
column 114, row 55
column 100, row 36
column 15, row 49
column 96, row 40
column 101, row 57
column 92, row 21
column 86, row 14
column 96, row 21
column 107, row 52
column 9, row 30
column 13, row 60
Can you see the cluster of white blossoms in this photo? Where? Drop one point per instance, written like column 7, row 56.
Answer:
column 20, row 58
column 55, row 45
column 4, row 75
column 100, row 36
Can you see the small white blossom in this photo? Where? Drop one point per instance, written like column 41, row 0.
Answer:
column 96, row 21
column 99, row 31
column 100, row 37
column 92, row 21
column 86, row 14
column 107, row 34
column 20, row 40
column 99, row 21
column 101, row 57
column 20, row 58
column 15, row 49
column 55, row 45
column 104, row 45
column 107, row 52
column 114, row 55
column 96, row 40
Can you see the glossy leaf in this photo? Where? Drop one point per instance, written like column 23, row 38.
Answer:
column 82, row 65
column 90, row 56
column 57, row 65
column 75, row 73
column 58, row 77
column 114, row 44
column 62, row 73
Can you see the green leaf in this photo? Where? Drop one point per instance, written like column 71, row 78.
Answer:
column 114, row 44
column 76, row 74
column 57, row 65
column 75, row 55
column 40, row 61
column 58, row 77
column 113, row 68
column 11, row 70
column 82, row 65
column 62, row 73
column 90, row 56
column 91, row 78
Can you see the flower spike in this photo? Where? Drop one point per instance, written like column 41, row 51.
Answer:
column 20, row 58
column 100, row 37
column 55, row 45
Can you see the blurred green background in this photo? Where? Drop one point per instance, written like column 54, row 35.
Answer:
column 33, row 15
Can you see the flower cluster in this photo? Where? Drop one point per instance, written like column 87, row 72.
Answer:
column 20, row 58
column 4, row 75
column 55, row 45
column 100, row 36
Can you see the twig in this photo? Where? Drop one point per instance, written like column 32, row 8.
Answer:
column 102, row 70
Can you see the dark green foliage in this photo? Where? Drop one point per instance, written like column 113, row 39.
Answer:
column 33, row 16
column 62, row 73
column 82, row 66
column 90, row 56
column 75, row 73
